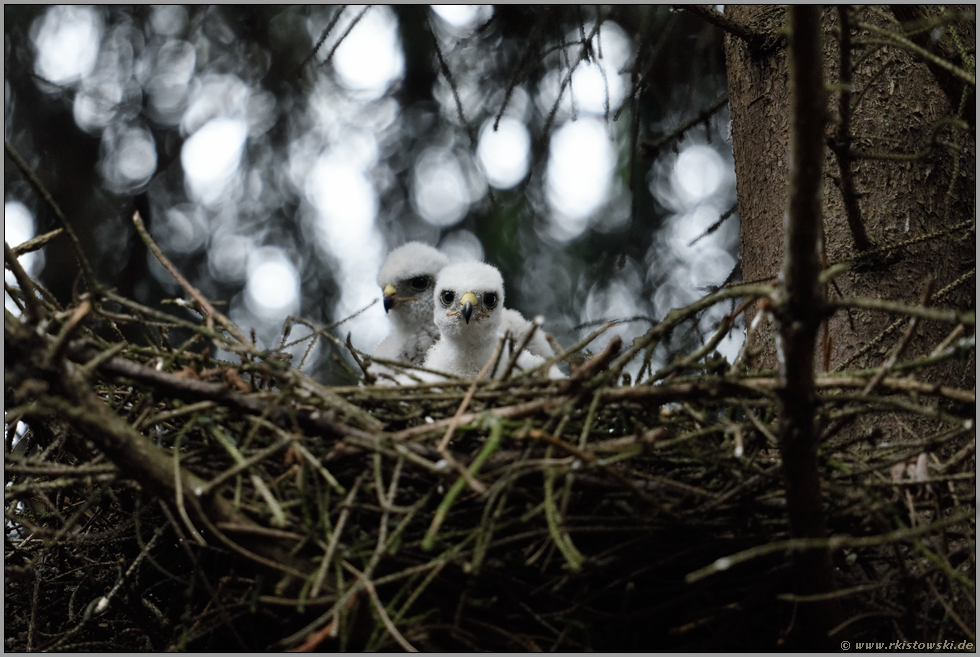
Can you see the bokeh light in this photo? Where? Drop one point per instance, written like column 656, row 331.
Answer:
column 272, row 289
column 370, row 59
column 697, row 173
column 440, row 196
column 312, row 184
column 463, row 17
column 67, row 43
column 129, row 158
column 504, row 152
column 580, row 166
column 165, row 70
column 211, row 156
column 462, row 244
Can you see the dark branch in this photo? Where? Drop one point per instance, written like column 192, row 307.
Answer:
column 652, row 146
column 800, row 312
column 45, row 195
column 192, row 390
column 842, row 145
column 715, row 17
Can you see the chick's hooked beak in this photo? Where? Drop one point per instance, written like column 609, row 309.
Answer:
column 467, row 301
column 390, row 299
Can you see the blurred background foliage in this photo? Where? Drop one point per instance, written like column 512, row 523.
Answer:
column 278, row 153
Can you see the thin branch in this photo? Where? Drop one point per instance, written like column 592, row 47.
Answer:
column 209, row 310
column 924, row 54
column 335, row 535
column 826, row 544
column 192, row 390
column 323, row 37
column 920, row 27
column 39, row 187
column 350, row 28
column 451, row 79
column 38, row 242
column 34, row 309
column 937, row 314
column 715, row 226
column 903, row 342
column 380, row 609
column 842, row 145
column 715, row 17
column 652, row 147
column 525, row 59
column 798, row 314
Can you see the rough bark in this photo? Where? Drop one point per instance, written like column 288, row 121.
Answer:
column 897, row 105
column 867, row 205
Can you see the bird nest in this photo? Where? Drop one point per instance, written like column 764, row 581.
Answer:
column 161, row 498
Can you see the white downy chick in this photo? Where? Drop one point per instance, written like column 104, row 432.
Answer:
column 407, row 279
column 469, row 313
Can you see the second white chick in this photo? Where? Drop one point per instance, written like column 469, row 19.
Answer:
column 407, row 280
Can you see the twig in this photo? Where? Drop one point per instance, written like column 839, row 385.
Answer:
column 467, row 397
column 103, row 603
column 506, row 412
column 902, row 342
column 323, row 37
column 902, row 42
column 491, row 446
column 832, row 543
column 451, row 79
column 444, row 444
column 380, row 609
column 193, row 390
column 842, row 145
column 515, row 356
column 652, row 147
column 340, row 40
column 949, row 610
column 715, row 226
column 715, row 17
column 948, row 340
column 34, row 309
column 335, row 536
column 936, row 314
column 558, row 535
column 179, row 495
column 275, row 509
column 209, row 310
column 38, row 242
column 39, row 187
column 532, row 41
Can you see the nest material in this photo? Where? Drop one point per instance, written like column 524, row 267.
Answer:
column 163, row 499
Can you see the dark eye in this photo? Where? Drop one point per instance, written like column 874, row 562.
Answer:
column 490, row 299
column 419, row 283
column 447, row 297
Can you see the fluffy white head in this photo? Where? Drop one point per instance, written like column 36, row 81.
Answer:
column 406, row 280
column 410, row 260
column 469, row 300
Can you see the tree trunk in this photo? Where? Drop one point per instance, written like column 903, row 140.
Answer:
column 897, row 106
column 872, row 204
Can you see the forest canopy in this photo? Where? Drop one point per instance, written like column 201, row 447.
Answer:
column 277, row 154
